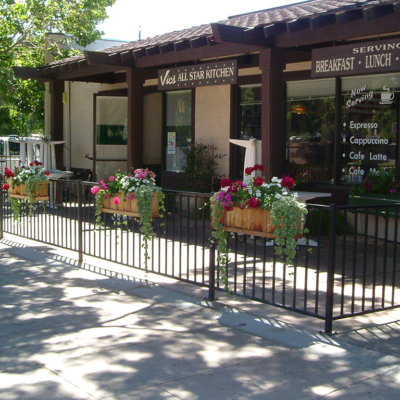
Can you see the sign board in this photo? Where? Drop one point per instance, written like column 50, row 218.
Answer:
column 171, row 143
column 357, row 58
column 217, row 73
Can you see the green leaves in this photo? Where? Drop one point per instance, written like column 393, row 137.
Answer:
column 23, row 25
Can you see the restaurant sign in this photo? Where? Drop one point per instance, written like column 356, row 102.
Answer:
column 217, row 73
column 358, row 58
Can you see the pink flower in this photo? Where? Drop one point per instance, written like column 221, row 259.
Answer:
column 254, row 203
column 105, row 186
column 107, row 196
column 101, row 182
column 137, row 171
column 95, row 190
column 116, row 200
column 112, row 178
column 142, row 175
column 130, row 196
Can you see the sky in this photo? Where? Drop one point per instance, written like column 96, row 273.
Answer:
column 162, row 16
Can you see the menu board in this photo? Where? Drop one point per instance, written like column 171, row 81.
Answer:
column 369, row 132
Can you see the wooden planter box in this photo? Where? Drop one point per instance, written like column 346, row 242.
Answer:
column 251, row 221
column 128, row 207
column 21, row 192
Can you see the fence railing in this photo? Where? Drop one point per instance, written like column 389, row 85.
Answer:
column 347, row 264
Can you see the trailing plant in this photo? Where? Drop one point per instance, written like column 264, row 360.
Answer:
column 286, row 212
column 34, row 176
column 201, row 163
column 139, row 185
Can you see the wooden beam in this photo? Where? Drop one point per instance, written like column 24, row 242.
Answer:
column 26, row 72
column 96, row 58
column 138, row 53
column 182, row 45
column 347, row 16
column 198, row 42
column 211, row 40
column 254, row 34
column 358, row 28
column 72, row 66
column 219, row 50
column 378, row 11
column 275, row 29
column 64, row 67
column 228, row 33
column 298, row 25
column 151, row 51
column 88, row 73
column 167, row 48
column 55, row 69
column 322, row 20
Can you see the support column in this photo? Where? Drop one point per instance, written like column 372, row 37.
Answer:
column 57, row 119
column 273, row 131
column 135, row 81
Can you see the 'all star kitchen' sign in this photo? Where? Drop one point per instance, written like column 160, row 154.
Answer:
column 217, row 73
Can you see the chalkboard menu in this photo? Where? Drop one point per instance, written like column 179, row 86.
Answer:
column 369, row 132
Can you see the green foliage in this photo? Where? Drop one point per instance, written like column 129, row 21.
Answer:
column 23, row 24
column 201, row 167
column 286, row 214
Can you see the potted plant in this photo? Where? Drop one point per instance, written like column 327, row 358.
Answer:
column 135, row 195
column 257, row 208
column 28, row 182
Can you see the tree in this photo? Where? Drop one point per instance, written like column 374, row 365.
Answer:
column 23, row 24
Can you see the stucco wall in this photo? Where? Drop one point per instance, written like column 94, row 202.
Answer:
column 152, row 141
column 212, row 120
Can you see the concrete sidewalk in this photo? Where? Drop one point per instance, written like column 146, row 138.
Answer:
column 71, row 331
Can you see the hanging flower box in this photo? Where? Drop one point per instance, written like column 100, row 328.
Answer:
column 251, row 221
column 21, row 192
column 128, row 207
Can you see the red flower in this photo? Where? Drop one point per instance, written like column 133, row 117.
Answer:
column 261, row 168
column 226, row 182
column 248, row 171
column 47, row 173
column 258, row 181
column 6, row 186
column 254, row 203
column 9, row 173
column 288, row 182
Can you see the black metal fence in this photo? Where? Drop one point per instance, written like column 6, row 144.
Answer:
column 348, row 265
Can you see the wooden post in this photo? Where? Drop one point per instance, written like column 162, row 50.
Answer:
column 273, row 126
column 57, row 118
column 135, row 80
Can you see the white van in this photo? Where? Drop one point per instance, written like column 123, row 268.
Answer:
column 9, row 153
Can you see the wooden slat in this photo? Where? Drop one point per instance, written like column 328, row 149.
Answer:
column 182, row 45
column 322, row 20
column 298, row 25
column 115, row 58
column 82, row 64
column 138, row 53
column 371, row 13
column 198, row 42
column 151, row 51
column 64, row 67
column 167, row 48
column 348, row 16
column 228, row 33
column 72, row 66
column 126, row 55
column 211, row 41
column 275, row 29
column 96, row 58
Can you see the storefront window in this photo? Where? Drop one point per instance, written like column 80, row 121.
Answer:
column 179, row 128
column 310, row 129
column 370, row 126
column 250, row 112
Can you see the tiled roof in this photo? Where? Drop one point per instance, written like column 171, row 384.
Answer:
column 305, row 9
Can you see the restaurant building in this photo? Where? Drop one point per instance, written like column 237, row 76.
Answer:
column 317, row 83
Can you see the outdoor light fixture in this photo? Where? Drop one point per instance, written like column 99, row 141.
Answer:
column 299, row 109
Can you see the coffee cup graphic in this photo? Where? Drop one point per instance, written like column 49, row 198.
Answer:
column 387, row 96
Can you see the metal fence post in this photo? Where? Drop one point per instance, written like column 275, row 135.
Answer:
column 331, row 269
column 1, row 212
column 80, row 223
column 211, row 273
